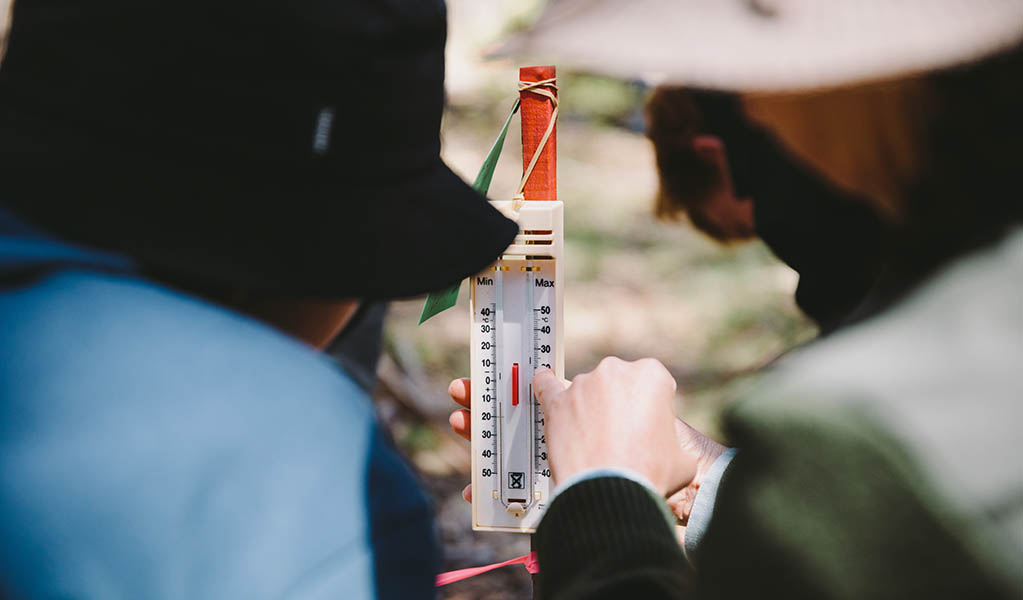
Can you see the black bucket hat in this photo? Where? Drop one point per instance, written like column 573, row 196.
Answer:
column 289, row 147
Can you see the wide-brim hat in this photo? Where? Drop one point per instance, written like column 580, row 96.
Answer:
column 292, row 149
column 767, row 45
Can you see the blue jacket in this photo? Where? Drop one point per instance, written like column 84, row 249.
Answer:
column 153, row 445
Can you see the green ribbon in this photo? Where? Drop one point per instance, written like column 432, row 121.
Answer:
column 440, row 301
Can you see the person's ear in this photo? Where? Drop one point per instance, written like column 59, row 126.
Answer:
column 712, row 148
column 732, row 214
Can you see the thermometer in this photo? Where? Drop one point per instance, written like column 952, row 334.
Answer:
column 516, row 307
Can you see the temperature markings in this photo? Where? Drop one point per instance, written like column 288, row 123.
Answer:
column 487, row 320
column 514, row 333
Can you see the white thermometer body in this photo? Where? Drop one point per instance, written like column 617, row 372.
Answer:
column 516, row 310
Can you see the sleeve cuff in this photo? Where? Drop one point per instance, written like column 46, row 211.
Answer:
column 703, row 504
column 603, row 530
column 596, row 472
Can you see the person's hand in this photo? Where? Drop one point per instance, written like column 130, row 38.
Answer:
column 691, row 447
column 701, row 450
column 461, row 420
column 618, row 415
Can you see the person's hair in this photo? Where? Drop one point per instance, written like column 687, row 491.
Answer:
column 866, row 138
column 937, row 154
column 686, row 178
column 964, row 193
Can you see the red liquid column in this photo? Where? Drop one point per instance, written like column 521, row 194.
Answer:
column 515, row 384
column 536, row 114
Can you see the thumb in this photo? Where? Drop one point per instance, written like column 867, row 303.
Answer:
column 546, row 385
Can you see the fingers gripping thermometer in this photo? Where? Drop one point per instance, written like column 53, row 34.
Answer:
column 516, row 308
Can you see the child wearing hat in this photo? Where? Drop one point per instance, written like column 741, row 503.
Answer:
column 195, row 198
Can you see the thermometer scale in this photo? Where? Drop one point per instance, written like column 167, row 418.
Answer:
column 516, row 308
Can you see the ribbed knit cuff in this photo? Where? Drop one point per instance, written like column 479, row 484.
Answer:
column 703, row 504
column 600, row 527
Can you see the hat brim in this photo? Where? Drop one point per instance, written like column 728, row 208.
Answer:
column 291, row 231
column 766, row 45
column 434, row 232
column 389, row 239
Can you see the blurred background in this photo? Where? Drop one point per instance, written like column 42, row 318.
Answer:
column 635, row 286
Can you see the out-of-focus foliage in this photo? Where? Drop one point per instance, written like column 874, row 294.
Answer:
column 601, row 100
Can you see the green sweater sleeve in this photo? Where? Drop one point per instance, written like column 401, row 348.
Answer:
column 810, row 508
column 609, row 538
column 831, row 510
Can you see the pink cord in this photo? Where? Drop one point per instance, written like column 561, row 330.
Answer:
column 528, row 560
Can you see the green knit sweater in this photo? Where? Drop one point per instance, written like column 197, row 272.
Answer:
column 883, row 462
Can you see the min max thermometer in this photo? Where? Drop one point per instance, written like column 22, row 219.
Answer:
column 516, row 307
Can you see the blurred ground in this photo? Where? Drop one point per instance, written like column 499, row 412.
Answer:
column 634, row 287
